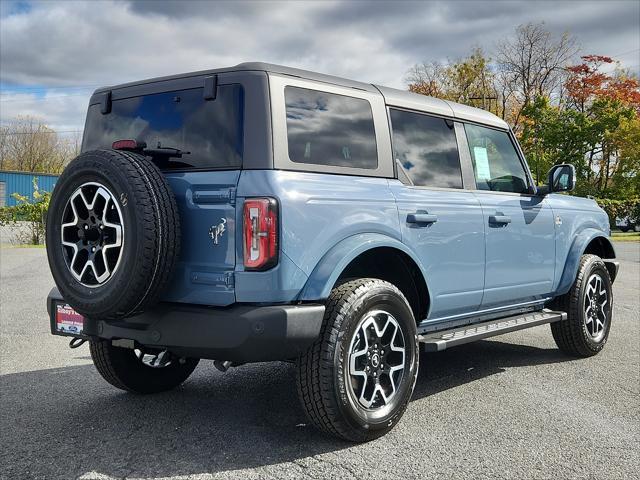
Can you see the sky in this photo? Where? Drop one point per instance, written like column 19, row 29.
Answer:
column 54, row 53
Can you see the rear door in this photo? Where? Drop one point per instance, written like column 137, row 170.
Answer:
column 209, row 130
column 520, row 236
column 207, row 205
column 440, row 221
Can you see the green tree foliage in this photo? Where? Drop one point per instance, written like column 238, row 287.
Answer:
column 32, row 212
column 621, row 208
column 468, row 80
column 562, row 112
column 596, row 128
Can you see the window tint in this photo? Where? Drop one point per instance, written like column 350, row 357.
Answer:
column 210, row 130
column 496, row 163
column 427, row 149
column 329, row 129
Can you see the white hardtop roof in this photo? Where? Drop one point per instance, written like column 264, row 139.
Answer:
column 415, row 101
column 393, row 96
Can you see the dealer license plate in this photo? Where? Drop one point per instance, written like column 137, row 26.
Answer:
column 67, row 320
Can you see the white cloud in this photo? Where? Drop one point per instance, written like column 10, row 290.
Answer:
column 58, row 110
column 107, row 42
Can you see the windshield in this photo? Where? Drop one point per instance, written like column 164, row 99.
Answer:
column 210, row 130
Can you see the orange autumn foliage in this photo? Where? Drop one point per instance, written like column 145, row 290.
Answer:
column 587, row 82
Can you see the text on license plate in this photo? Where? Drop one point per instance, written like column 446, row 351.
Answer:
column 68, row 320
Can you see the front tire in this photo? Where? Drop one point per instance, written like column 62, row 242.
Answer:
column 589, row 308
column 357, row 378
column 130, row 370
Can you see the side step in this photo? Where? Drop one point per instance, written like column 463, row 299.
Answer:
column 438, row 341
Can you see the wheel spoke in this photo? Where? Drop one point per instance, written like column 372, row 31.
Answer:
column 595, row 305
column 367, row 402
column 599, row 325
column 376, row 359
column 87, row 228
column 355, row 355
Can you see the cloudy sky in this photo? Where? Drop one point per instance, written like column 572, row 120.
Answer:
column 54, row 53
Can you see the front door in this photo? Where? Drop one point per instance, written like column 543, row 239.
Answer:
column 440, row 221
column 520, row 238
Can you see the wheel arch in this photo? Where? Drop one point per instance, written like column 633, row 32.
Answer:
column 589, row 241
column 371, row 255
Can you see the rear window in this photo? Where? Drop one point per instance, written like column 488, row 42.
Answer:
column 211, row 131
column 329, row 129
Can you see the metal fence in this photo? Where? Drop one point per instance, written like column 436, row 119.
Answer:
column 22, row 183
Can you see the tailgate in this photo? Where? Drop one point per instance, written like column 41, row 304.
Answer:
column 207, row 205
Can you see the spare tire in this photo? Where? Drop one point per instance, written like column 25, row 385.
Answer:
column 113, row 234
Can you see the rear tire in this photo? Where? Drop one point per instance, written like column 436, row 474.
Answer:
column 124, row 369
column 589, row 307
column 368, row 330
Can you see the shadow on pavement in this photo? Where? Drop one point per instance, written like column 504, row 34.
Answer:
column 466, row 363
column 65, row 422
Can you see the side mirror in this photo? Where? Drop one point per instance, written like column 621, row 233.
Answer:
column 562, row 178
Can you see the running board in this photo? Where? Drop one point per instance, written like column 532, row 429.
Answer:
column 438, row 341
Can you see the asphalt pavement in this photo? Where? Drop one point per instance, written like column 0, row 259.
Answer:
column 509, row 407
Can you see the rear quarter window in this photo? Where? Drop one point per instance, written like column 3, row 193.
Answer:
column 427, row 149
column 330, row 129
column 210, row 130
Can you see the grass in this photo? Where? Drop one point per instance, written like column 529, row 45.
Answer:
column 21, row 245
column 625, row 237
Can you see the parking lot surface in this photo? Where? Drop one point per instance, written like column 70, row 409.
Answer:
column 509, row 407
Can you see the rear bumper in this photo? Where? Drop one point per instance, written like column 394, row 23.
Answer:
column 239, row 333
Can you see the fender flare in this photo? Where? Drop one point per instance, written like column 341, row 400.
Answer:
column 332, row 264
column 579, row 245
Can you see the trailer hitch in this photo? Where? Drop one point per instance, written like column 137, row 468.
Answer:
column 76, row 342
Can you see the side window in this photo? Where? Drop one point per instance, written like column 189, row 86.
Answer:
column 496, row 163
column 427, row 149
column 330, row 129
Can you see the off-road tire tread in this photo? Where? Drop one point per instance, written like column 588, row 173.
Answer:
column 157, row 211
column 315, row 368
column 569, row 334
column 102, row 362
column 101, row 354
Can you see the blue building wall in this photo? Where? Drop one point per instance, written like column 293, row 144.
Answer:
column 22, row 183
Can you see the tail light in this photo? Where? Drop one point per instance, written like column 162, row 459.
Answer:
column 128, row 145
column 260, row 233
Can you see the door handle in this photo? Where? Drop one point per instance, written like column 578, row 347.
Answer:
column 422, row 218
column 500, row 219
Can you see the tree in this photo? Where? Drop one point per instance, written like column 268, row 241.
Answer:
column 32, row 212
column 468, row 80
column 596, row 128
column 611, row 102
column 28, row 145
column 528, row 65
column 551, row 135
column 586, row 82
column 427, row 79
column 532, row 64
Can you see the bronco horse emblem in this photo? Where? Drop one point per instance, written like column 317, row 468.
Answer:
column 216, row 231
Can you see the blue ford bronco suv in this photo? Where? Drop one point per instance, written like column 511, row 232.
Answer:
column 259, row 213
